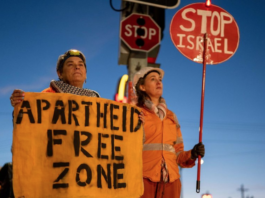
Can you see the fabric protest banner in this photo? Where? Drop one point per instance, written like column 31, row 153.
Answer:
column 67, row 146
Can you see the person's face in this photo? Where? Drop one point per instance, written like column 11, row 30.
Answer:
column 153, row 85
column 74, row 72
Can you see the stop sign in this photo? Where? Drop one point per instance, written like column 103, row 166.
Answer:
column 189, row 25
column 140, row 32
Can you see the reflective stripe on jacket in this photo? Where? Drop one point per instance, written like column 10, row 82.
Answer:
column 163, row 139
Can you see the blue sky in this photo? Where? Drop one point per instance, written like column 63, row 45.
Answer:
column 34, row 33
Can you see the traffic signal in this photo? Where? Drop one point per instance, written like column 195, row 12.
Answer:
column 121, row 89
column 158, row 14
column 207, row 195
column 140, row 31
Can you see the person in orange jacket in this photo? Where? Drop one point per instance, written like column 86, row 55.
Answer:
column 163, row 148
column 71, row 70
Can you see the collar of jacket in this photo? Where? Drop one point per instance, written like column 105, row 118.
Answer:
column 169, row 114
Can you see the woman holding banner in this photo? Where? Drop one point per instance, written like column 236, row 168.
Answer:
column 71, row 70
column 163, row 149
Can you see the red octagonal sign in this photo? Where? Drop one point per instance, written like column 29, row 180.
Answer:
column 189, row 25
column 140, row 32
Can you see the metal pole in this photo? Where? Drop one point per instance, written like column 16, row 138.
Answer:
column 202, row 107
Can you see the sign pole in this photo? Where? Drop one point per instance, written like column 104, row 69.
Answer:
column 183, row 34
column 202, row 108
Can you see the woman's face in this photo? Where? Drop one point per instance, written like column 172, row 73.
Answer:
column 153, row 85
column 74, row 72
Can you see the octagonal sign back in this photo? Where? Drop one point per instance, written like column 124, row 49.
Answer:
column 140, row 32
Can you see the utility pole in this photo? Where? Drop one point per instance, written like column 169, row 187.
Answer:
column 243, row 190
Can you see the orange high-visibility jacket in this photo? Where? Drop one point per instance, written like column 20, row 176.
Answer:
column 48, row 90
column 163, row 139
